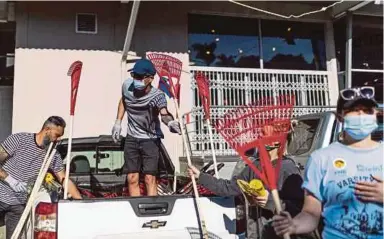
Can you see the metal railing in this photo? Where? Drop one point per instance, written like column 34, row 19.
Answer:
column 198, row 136
column 232, row 87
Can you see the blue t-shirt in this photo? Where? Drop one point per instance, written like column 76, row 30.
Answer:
column 330, row 175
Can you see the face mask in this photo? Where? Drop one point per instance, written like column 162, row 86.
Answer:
column 360, row 126
column 139, row 84
column 46, row 141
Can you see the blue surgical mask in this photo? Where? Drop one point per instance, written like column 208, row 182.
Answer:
column 139, row 84
column 360, row 126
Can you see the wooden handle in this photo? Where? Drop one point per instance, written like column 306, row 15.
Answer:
column 196, row 192
column 276, row 200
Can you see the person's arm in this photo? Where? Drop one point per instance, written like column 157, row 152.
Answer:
column 219, row 186
column 120, row 110
column 305, row 222
column 58, row 169
column 166, row 117
column 308, row 219
column 116, row 129
column 3, row 156
column 7, row 149
column 72, row 189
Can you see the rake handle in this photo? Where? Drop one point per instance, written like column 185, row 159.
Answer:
column 276, row 200
column 196, row 192
column 212, row 147
column 27, row 210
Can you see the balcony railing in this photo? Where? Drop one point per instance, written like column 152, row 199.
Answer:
column 231, row 87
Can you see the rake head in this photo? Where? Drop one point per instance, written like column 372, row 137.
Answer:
column 261, row 126
column 167, row 67
column 203, row 86
column 74, row 72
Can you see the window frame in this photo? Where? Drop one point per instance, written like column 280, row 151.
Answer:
column 259, row 19
column 86, row 32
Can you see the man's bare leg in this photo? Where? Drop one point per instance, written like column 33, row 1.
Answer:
column 151, row 185
column 133, row 184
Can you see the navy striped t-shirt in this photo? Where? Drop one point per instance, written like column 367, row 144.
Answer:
column 23, row 164
column 143, row 112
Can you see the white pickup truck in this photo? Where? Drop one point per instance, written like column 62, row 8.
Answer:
column 107, row 212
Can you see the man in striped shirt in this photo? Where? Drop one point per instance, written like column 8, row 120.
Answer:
column 21, row 157
column 143, row 104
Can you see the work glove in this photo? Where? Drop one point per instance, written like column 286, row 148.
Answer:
column 17, row 186
column 116, row 130
column 174, row 127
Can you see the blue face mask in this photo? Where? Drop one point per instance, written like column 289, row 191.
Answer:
column 139, row 84
column 360, row 126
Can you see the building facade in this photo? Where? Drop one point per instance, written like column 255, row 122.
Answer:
column 247, row 54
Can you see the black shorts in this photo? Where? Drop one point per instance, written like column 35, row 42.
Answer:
column 141, row 155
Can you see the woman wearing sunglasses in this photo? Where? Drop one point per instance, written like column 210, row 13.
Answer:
column 343, row 182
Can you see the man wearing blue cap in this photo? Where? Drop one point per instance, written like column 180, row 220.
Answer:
column 143, row 103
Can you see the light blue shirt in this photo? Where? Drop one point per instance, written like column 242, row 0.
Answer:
column 330, row 175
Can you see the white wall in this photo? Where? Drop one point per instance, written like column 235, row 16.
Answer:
column 5, row 111
column 42, row 89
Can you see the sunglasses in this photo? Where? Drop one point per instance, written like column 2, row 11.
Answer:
column 367, row 92
column 140, row 77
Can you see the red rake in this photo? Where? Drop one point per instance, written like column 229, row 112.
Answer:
column 254, row 126
column 170, row 67
column 74, row 72
column 205, row 97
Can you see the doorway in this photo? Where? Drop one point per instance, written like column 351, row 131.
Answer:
column 7, row 59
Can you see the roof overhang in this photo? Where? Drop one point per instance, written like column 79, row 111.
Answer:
column 369, row 7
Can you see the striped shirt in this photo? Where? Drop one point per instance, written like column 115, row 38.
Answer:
column 143, row 112
column 23, row 164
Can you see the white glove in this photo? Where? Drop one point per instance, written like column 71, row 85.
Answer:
column 174, row 126
column 116, row 130
column 16, row 185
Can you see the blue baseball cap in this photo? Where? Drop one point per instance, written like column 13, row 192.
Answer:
column 143, row 67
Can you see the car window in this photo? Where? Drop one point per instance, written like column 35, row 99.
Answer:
column 85, row 159
column 83, row 162
column 302, row 137
column 110, row 160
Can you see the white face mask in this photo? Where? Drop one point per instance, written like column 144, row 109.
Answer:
column 139, row 84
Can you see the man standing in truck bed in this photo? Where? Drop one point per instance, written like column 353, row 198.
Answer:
column 143, row 103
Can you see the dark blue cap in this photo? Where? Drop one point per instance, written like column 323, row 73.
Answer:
column 143, row 67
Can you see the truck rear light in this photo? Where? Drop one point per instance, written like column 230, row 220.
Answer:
column 45, row 221
column 241, row 217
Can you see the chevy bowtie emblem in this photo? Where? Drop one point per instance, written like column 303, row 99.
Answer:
column 154, row 224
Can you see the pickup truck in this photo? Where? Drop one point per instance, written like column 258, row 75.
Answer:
column 107, row 211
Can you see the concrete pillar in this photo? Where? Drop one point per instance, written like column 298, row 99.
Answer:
column 331, row 63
